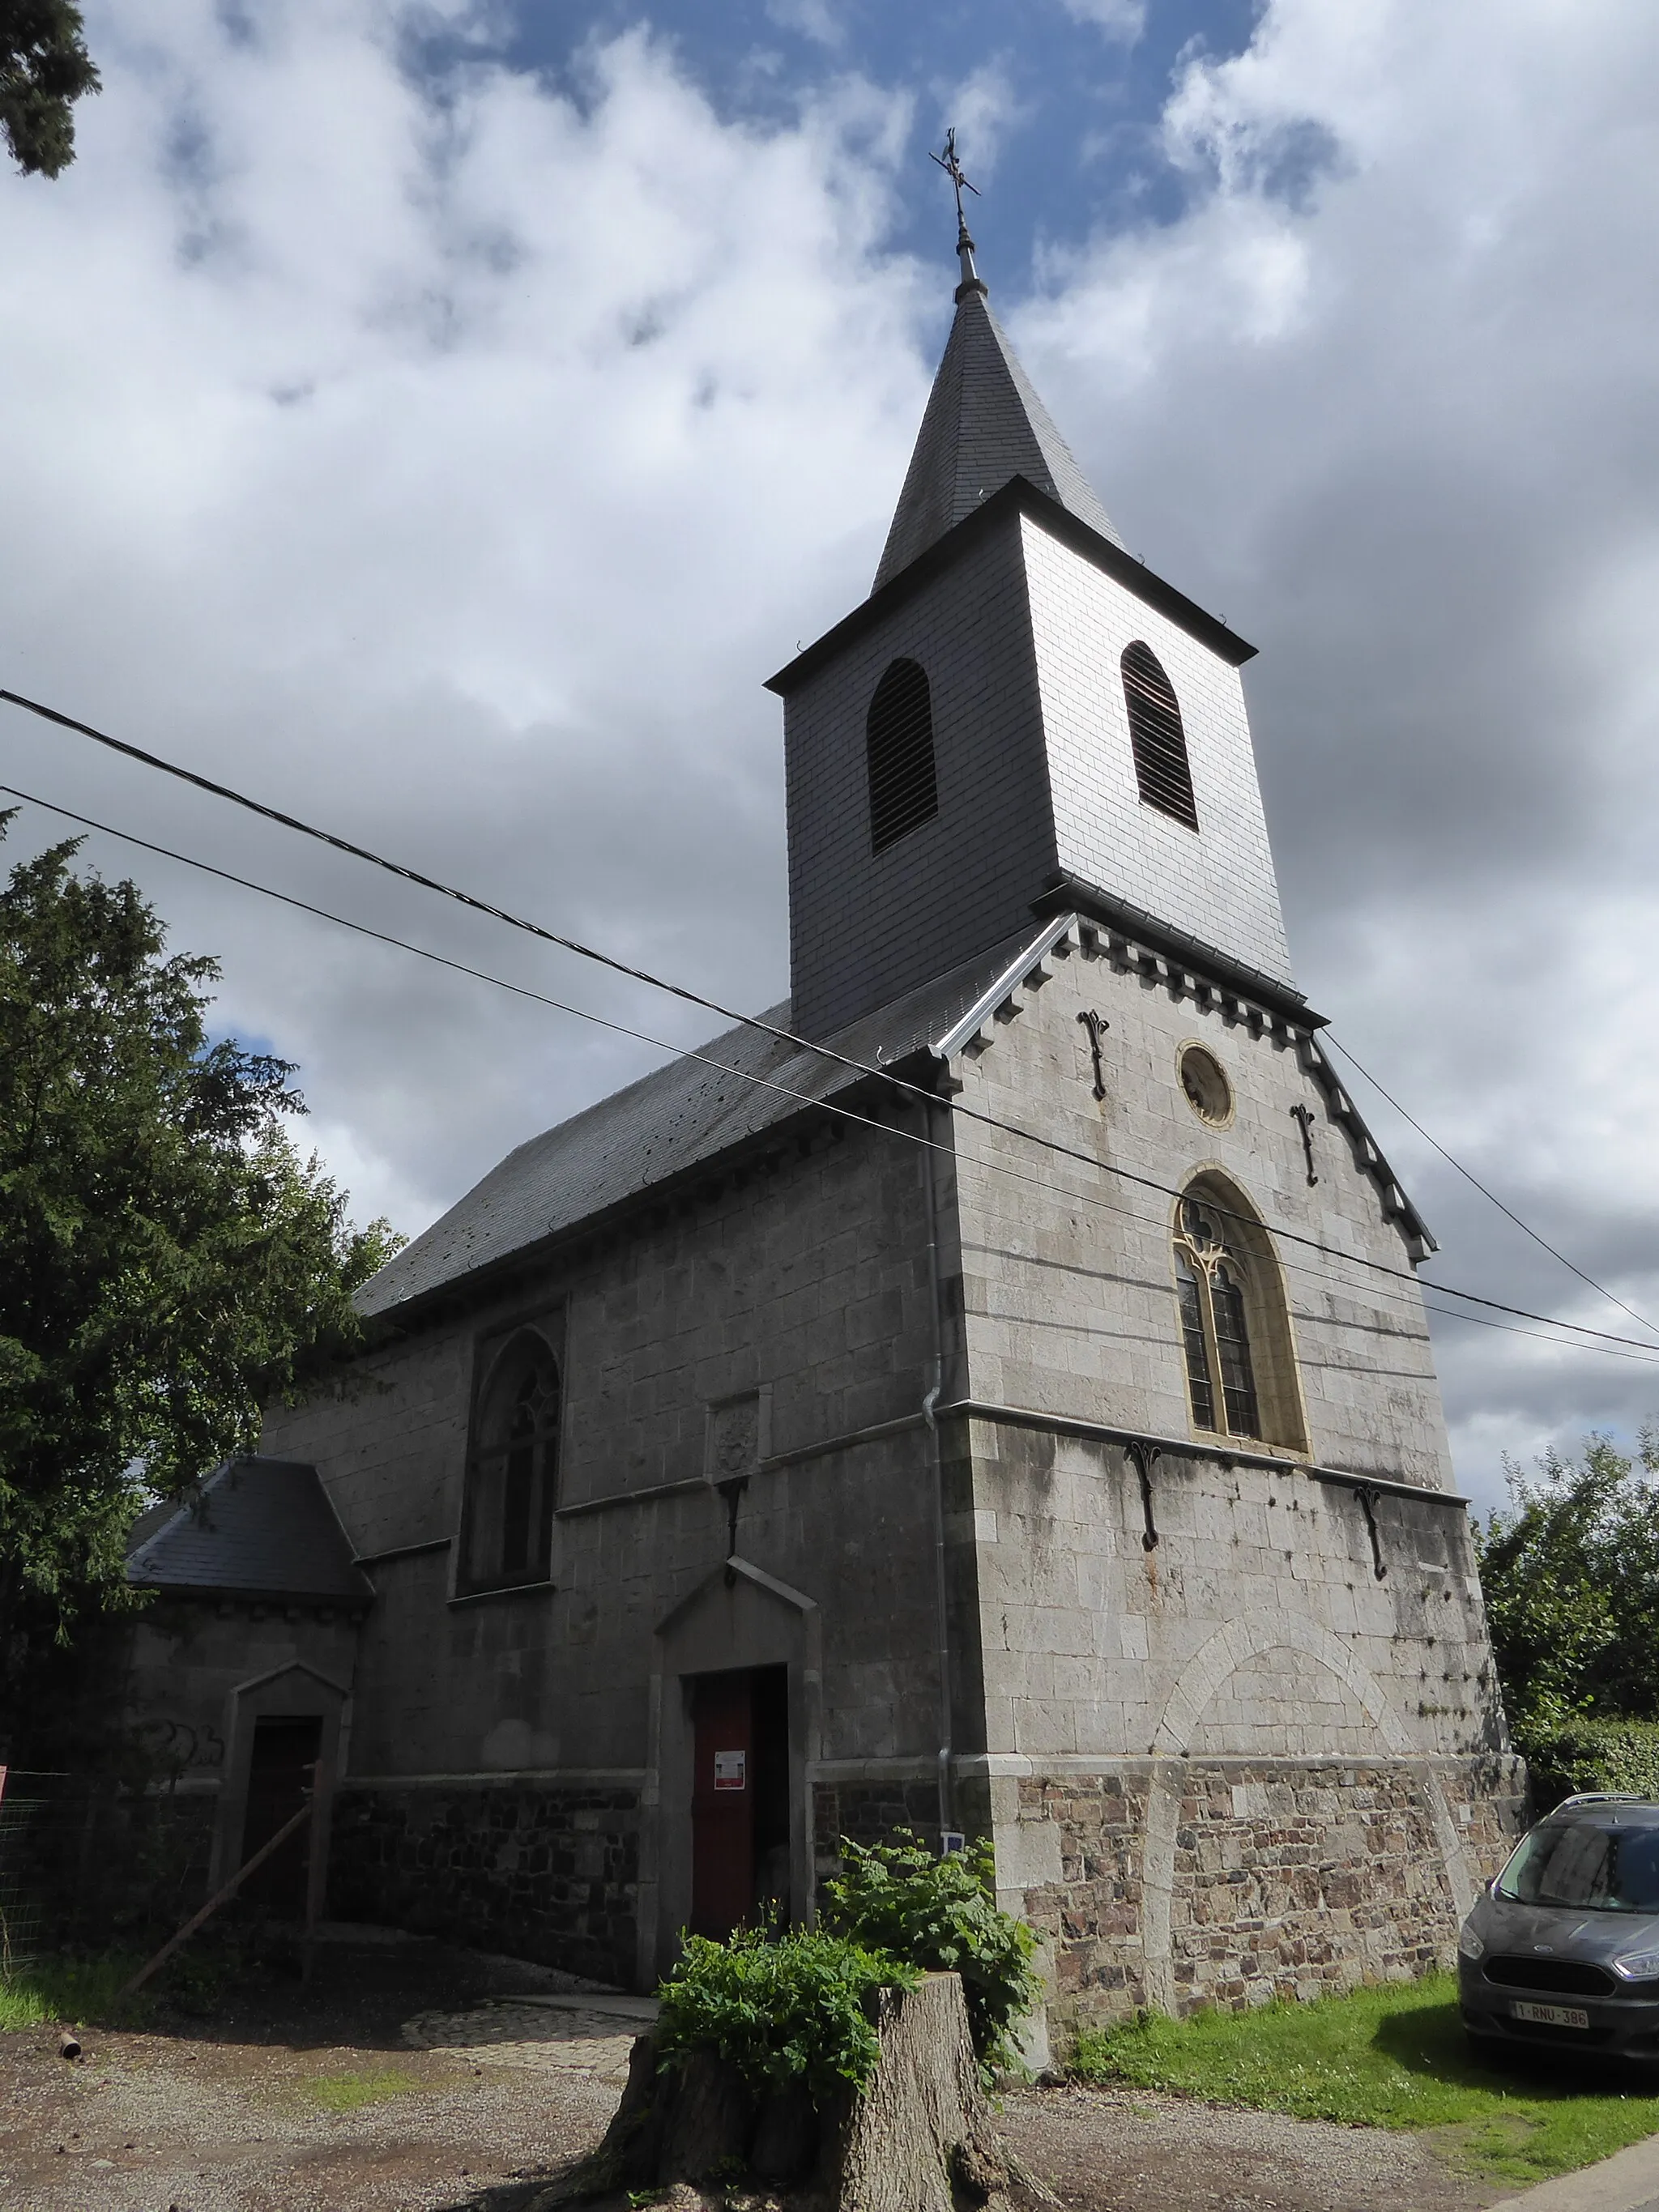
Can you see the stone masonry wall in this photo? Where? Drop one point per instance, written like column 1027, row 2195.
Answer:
column 870, row 1812
column 548, row 1873
column 1256, row 1879
column 806, row 1273
column 1068, row 1281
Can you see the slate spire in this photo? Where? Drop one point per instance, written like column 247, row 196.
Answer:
column 984, row 424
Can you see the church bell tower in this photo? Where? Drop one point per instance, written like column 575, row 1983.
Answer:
column 1020, row 717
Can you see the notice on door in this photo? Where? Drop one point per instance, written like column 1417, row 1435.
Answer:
column 730, row 1770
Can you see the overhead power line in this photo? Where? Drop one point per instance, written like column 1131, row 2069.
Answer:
column 1648, row 1357
column 956, row 1107
column 745, row 1075
column 1508, row 1213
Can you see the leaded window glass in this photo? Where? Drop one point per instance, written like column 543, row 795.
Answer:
column 1212, row 1292
column 514, row 1466
column 1192, row 1330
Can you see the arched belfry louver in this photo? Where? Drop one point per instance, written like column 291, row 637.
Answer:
column 1162, row 768
column 899, row 751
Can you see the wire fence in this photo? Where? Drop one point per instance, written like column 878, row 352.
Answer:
column 84, row 1862
column 38, row 1820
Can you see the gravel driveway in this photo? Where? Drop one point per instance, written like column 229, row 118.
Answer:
column 417, row 2079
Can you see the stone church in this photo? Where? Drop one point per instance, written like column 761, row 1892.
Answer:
column 989, row 1393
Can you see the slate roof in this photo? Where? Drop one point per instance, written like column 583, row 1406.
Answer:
column 255, row 1527
column 983, row 426
column 681, row 1115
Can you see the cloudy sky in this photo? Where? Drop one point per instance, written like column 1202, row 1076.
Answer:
column 439, row 418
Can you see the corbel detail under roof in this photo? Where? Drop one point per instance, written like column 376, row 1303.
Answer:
column 1005, row 1000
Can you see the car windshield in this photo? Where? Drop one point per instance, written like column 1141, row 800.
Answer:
column 1611, row 1869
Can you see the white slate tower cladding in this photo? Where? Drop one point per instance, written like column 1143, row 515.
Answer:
column 1005, row 582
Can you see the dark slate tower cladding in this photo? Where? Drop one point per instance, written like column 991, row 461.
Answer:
column 1077, row 731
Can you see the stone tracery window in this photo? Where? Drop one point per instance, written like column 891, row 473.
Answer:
column 1235, row 1330
column 513, row 1474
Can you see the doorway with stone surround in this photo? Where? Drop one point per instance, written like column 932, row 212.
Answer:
column 739, row 1799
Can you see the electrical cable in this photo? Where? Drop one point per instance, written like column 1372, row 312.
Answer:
column 723, row 1068
column 541, row 998
column 750, row 1021
column 1612, row 1296
column 1650, row 1357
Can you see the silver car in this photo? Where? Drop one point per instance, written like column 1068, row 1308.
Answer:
column 1562, row 1949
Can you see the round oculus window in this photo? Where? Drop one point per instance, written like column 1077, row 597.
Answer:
column 1208, row 1091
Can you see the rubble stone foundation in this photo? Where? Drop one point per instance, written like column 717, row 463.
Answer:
column 547, row 1873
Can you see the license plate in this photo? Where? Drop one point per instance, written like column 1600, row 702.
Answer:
column 1552, row 2015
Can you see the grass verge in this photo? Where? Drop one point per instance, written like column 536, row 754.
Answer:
column 1392, row 2055
column 350, row 2093
column 73, row 1990
column 80, row 1989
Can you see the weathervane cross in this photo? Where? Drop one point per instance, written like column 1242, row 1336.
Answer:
column 952, row 169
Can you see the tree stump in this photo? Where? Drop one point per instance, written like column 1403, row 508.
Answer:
column 918, row 2139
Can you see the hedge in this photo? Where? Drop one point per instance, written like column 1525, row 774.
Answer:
column 1590, row 1754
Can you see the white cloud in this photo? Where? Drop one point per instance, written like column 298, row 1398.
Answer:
column 811, row 19
column 452, row 469
column 982, row 108
column 1122, row 20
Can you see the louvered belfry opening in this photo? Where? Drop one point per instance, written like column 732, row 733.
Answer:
column 899, row 749
column 1162, row 768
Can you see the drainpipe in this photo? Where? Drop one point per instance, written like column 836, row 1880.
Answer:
column 929, row 1404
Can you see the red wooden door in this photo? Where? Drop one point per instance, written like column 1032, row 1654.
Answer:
column 722, row 1803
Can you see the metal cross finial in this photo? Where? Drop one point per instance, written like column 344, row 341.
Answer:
column 952, row 169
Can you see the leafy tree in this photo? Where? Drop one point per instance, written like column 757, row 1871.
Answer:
column 1571, row 1576
column 168, row 1262
column 45, row 67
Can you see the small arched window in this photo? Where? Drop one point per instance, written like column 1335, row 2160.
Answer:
column 898, row 738
column 513, row 1474
column 1156, row 736
column 1241, row 1370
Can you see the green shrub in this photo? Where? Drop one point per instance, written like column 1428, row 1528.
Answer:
column 942, row 1914
column 1590, row 1754
column 783, row 2009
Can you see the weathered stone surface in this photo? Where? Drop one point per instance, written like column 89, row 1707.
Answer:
column 1282, row 1880
column 544, row 1872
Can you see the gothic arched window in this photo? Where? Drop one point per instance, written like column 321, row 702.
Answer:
column 898, row 739
column 1156, row 736
column 1235, row 1330
column 513, row 1475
